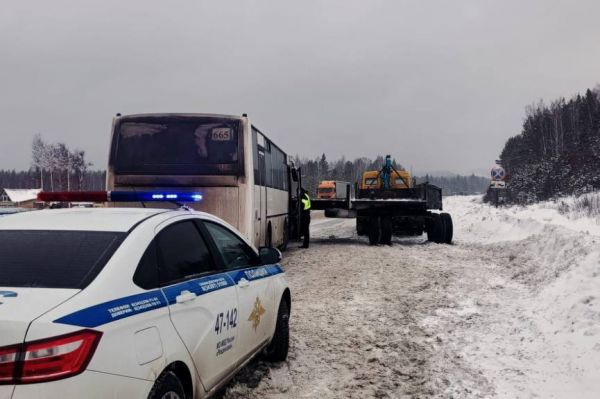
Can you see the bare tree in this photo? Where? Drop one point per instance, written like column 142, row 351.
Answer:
column 38, row 149
column 80, row 166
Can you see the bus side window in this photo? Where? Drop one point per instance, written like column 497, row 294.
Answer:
column 268, row 164
column 258, row 158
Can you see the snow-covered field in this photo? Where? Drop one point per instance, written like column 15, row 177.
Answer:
column 511, row 310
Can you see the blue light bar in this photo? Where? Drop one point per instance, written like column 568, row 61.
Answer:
column 149, row 196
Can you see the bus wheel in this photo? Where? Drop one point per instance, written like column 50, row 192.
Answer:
column 269, row 237
column 286, row 236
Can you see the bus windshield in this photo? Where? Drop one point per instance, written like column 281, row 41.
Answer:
column 176, row 145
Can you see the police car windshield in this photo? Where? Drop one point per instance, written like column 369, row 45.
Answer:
column 176, row 145
column 54, row 259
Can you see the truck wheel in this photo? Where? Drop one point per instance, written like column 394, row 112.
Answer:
column 374, row 230
column 360, row 226
column 435, row 231
column 448, row 227
column 277, row 350
column 386, row 231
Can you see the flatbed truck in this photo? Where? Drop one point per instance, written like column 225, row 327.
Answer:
column 382, row 210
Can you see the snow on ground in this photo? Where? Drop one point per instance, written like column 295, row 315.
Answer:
column 555, row 259
column 511, row 310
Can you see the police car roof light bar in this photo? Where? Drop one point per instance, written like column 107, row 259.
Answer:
column 119, row 196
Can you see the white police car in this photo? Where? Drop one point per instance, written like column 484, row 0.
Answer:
column 133, row 303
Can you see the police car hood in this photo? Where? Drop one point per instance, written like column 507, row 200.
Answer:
column 20, row 306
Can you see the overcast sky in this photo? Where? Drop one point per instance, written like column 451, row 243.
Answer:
column 438, row 84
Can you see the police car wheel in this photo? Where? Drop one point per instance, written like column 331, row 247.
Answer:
column 167, row 386
column 277, row 350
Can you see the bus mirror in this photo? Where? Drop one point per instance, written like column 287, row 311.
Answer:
column 269, row 256
column 294, row 174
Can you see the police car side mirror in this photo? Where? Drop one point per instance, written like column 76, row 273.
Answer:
column 269, row 256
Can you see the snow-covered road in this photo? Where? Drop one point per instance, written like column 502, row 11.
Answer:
column 511, row 310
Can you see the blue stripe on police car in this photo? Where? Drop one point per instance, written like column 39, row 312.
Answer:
column 132, row 305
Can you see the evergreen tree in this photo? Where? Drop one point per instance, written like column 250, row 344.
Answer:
column 557, row 152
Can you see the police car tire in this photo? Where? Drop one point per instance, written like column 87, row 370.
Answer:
column 277, row 350
column 448, row 227
column 166, row 383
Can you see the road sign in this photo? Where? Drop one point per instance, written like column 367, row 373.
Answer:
column 498, row 184
column 498, row 173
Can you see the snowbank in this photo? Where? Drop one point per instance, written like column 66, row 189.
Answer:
column 550, row 250
column 478, row 222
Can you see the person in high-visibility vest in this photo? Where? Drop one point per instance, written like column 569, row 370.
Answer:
column 305, row 218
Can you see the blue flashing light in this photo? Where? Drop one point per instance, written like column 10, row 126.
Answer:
column 148, row 196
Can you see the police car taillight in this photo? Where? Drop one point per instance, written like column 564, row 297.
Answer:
column 49, row 359
column 8, row 364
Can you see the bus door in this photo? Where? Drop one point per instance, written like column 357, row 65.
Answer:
column 260, row 200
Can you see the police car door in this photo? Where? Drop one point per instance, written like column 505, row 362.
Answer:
column 202, row 300
column 255, row 290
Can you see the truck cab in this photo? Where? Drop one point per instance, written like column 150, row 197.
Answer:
column 326, row 189
column 332, row 189
column 371, row 180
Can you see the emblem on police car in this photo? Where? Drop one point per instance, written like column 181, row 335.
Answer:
column 257, row 313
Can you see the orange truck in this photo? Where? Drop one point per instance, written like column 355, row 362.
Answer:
column 330, row 189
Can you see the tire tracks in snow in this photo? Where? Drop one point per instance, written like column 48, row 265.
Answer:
column 361, row 323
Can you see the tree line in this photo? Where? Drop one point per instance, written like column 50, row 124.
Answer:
column 557, row 152
column 92, row 180
column 318, row 169
column 55, row 167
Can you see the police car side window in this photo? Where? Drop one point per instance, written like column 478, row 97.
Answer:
column 235, row 252
column 146, row 274
column 183, row 253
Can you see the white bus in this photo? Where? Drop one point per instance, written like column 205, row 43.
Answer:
column 242, row 175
